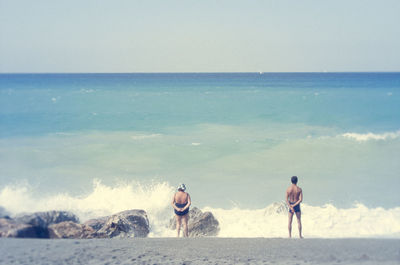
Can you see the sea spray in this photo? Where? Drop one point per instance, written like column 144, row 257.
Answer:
column 103, row 200
column 155, row 198
column 318, row 221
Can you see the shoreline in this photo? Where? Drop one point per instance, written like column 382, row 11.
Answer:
column 200, row 251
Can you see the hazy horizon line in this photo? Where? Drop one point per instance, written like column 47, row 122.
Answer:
column 205, row 72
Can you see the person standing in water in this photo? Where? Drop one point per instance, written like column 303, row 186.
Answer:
column 294, row 196
column 181, row 203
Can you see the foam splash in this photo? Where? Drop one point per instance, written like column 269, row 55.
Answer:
column 371, row 136
column 103, row 200
column 155, row 198
column 325, row 221
column 145, row 136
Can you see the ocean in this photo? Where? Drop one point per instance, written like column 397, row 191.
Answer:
column 96, row 144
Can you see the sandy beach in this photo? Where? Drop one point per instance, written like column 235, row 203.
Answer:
column 200, row 251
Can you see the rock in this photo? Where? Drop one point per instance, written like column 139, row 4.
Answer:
column 12, row 228
column 70, row 229
column 200, row 224
column 130, row 223
column 44, row 219
column 97, row 223
column 58, row 224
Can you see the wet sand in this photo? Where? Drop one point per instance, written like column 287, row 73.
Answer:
column 199, row 251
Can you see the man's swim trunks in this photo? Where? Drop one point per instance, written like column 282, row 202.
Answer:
column 181, row 205
column 296, row 208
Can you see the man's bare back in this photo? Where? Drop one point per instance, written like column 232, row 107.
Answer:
column 294, row 193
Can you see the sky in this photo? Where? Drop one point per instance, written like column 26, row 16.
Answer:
column 199, row 36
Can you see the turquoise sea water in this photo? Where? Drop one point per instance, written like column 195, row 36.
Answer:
column 34, row 104
column 235, row 139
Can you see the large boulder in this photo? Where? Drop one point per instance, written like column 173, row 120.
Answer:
column 97, row 223
column 12, row 228
column 130, row 223
column 70, row 229
column 45, row 219
column 200, row 224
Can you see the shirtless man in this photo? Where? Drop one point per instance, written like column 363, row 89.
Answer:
column 294, row 196
column 181, row 203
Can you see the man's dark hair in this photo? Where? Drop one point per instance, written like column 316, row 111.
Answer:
column 294, row 180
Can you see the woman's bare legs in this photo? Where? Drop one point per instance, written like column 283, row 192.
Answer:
column 178, row 224
column 185, row 225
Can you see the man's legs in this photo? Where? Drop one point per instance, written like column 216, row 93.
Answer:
column 298, row 215
column 290, row 224
column 185, row 225
column 178, row 224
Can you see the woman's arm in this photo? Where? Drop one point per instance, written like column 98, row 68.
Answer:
column 173, row 203
column 188, row 203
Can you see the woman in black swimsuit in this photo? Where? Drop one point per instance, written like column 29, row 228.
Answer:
column 181, row 203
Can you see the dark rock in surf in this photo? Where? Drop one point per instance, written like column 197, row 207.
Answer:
column 200, row 224
column 70, row 229
column 97, row 223
column 12, row 228
column 57, row 224
column 130, row 223
column 40, row 221
column 44, row 219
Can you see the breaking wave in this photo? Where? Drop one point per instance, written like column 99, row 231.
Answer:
column 271, row 221
column 317, row 221
column 371, row 136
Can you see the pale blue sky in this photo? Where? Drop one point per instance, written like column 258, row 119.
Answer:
column 199, row 36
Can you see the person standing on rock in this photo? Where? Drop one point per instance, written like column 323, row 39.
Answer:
column 181, row 203
column 294, row 196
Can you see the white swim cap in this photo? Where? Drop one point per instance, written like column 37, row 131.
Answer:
column 182, row 187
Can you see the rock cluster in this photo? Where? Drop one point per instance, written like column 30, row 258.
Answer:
column 33, row 225
column 199, row 224
column 130, row 223
column 60, row 224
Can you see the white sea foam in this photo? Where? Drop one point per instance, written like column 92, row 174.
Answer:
column 103, row 200
column 371, row 136
column 271, row 221
column 144, row 136
column 87, row 90
column 318, row 221
column 3, row 212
